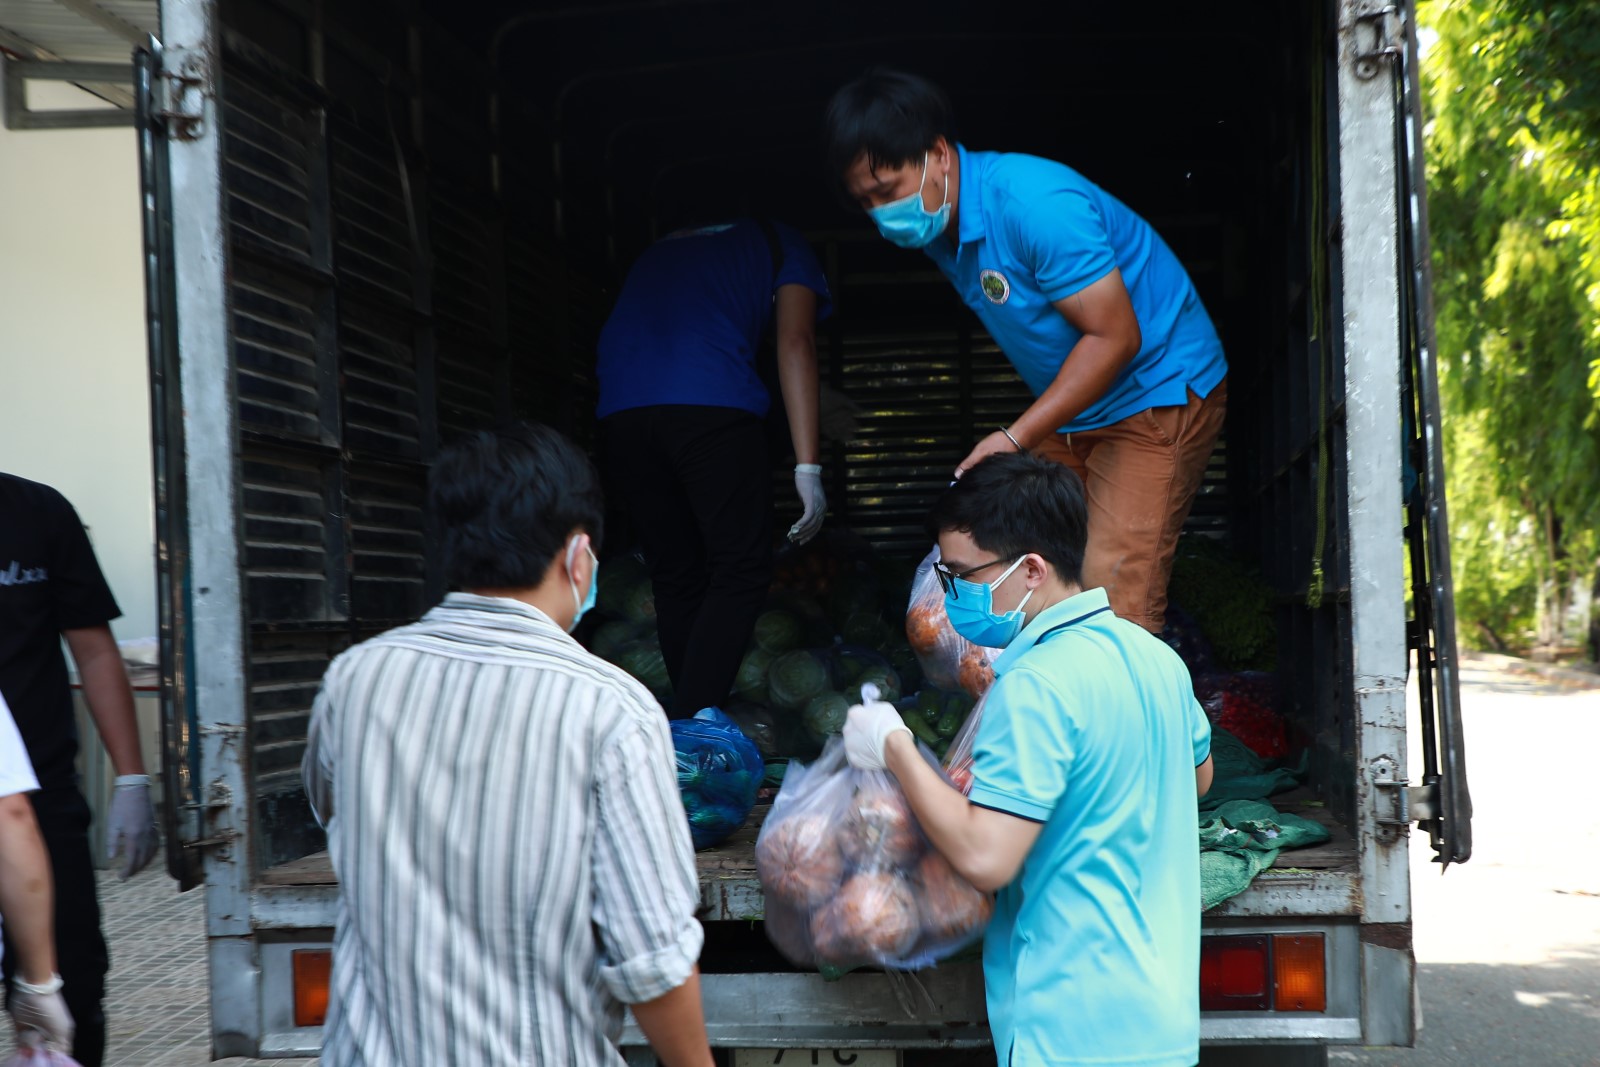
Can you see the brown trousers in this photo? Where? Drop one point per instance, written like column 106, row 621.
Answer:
column 1141, row 475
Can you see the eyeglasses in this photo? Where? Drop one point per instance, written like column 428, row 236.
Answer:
column 947, row 577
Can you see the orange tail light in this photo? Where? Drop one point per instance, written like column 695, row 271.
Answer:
column 312, row 967
column 1299, row 972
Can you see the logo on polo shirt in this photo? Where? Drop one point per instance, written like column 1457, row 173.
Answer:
column 994, row 286
column 17, row 574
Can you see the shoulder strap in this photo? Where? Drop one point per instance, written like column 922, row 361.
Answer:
column 774, row 247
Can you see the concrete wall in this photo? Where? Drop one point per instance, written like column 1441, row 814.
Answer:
column 74, row 410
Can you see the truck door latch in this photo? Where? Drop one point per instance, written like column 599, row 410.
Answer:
column 181, row 89
column 1406, row 803
column 219, row 800
column 1387, row 30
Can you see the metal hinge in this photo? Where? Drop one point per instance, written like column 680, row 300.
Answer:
column 1387, row 29
column 220, row 798
column 181, row 89
column 1408, row 803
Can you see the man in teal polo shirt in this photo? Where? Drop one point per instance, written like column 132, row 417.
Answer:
column 1089, row 304
column 1089, row 760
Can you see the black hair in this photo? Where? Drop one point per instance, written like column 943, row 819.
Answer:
column 1013, row 503
column 892, row 116
column 505, row 501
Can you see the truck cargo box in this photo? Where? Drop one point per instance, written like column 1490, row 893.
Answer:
column 373, row 227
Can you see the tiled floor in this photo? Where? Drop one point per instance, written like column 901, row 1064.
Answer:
column 156, row 994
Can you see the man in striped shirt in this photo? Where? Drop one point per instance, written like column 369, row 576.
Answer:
column 502, row 809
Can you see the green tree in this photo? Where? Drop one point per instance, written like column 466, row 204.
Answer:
column 1514, row 188
column 1556, row 59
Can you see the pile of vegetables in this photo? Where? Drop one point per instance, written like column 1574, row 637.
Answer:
column 837, row 619
column 1246, row 705
column 625, row 607
column 1221, row 622
column 937, row 716
column 833, row 623
column 1228, row 601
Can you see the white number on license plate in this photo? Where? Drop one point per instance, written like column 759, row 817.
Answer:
column 814, row 1057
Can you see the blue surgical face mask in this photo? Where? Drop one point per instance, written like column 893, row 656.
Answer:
column 970, row 606
column 909, row 224
column 586, row 601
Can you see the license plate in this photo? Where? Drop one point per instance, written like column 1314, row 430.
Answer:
column 814, row 1057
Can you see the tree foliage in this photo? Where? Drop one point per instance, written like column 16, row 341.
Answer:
column 1514, row 188
column 1556, row 56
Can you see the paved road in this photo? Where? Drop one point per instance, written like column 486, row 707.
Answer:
column 1509, row 944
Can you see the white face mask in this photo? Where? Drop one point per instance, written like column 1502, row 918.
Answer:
column 585, row 602
column 907, row 222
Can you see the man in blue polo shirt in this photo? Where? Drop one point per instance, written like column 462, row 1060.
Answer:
column 1089, row 759
column 682, row 438
column 1089, row 304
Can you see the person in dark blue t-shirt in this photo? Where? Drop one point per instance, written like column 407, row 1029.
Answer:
column 1088, row 303
column 683, row 441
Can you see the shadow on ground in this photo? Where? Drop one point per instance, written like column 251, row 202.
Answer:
column 1517, row 1015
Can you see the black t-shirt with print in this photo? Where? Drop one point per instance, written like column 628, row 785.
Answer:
column 49, row 582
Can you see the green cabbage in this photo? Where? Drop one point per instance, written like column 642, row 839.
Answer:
column 884, row 678
column 852, row 595
column 795, row 678
column 904, row 662
column 824, row 715
column 644, row 662
column 751, row 681
column 869, row 630
column 758, row 725
column 850, row 662
column 777, row 632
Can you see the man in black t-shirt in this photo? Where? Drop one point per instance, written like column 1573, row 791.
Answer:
column 51, row 588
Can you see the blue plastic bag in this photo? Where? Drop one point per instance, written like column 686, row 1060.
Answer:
column 719, row 772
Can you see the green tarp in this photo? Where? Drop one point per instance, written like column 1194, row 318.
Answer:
column 1241, row 833
column 1239, row 774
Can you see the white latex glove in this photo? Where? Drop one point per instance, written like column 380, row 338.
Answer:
column 131, row 826
column 867, row 730
column 41, row 1015
column 808, row 484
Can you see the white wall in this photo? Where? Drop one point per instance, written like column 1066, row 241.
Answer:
column 74, row 410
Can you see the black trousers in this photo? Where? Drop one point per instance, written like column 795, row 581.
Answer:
column 81, row 953
column 699, row 494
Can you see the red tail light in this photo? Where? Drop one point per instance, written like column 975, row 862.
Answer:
column 1285, row 972
column 1233, row 974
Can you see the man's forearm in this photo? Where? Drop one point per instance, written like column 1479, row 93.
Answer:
column 110, row 698
column 941, row 808
column 797, row 377
column 675, row 1025
column 986, row 847
column 25, row 890
column 1088, row 373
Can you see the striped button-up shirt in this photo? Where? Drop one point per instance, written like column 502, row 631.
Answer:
column 513, row 859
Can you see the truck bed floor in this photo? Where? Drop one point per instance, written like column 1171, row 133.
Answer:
column 1322, row 879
